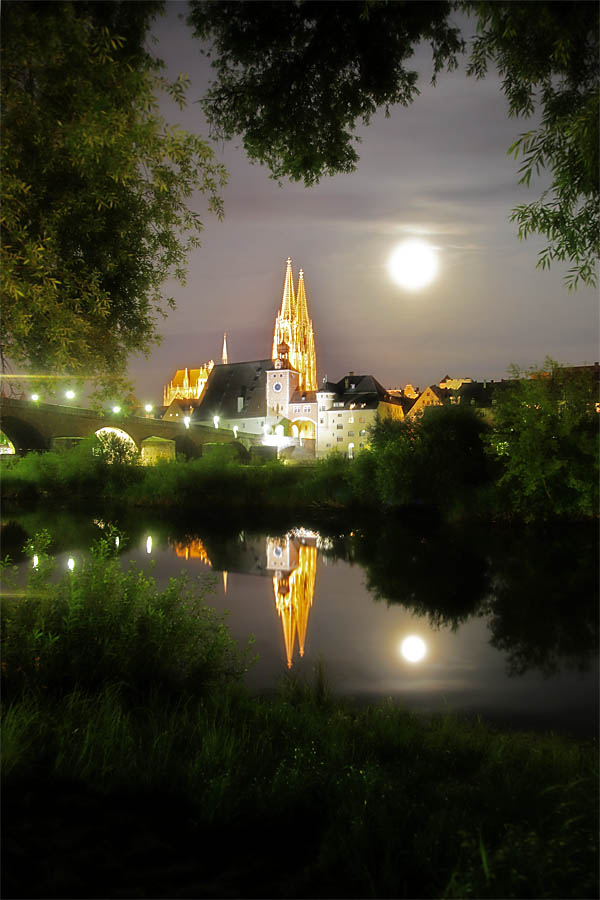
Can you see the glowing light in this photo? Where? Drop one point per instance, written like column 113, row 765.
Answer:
column 148, row 407
column 35, row 561
column 186, row 421
column 35, row 397
column 117, row 541
column 70, row 395
column 70, row 563
column 413, row 649
column 413, row 265
column 149, row 544
column 235, row 431
column 116, row 409
column 216, row 421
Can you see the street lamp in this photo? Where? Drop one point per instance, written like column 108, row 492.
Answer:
column 216, row 421
column 235, row 431
column 116, row 409
column 35, row 397
column 186, row 421
column 148, row 407
column 70, row 395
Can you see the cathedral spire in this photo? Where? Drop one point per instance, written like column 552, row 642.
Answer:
column 294, row 328
column 301, row 307
column 224, row 357
column 288, row 304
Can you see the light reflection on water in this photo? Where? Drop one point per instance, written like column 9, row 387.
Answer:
column 492, row 644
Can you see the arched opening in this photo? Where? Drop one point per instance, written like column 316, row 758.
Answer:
column 116, row 445
column 21, row 435
column 303, row 429
column 6, row 445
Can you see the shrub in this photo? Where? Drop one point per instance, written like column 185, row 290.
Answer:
column 101, row 625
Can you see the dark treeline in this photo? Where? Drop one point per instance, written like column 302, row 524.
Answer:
column 535, row 457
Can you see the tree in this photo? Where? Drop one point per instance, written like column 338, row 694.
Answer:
column 545, row 435
column 96, row 188
column 438, row 460
column 294, row 79
column 547, row 56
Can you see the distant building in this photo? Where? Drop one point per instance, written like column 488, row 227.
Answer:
column 347, row 409
column 187, row 384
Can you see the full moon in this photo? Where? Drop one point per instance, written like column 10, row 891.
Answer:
column 413, row 649
column 413, row 265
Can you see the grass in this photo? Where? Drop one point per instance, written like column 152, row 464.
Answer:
column 135, row 764
column 310, row 797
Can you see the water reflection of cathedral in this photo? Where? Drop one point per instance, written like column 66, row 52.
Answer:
column 291, row 560
column 294, row 566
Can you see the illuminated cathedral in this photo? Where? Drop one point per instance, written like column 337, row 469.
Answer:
column 293, row 328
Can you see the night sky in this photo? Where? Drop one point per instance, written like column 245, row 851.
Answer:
column 437, row 170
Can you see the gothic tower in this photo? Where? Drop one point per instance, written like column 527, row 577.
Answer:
column 294, row 328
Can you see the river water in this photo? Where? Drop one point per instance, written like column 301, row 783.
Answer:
column 501, row 623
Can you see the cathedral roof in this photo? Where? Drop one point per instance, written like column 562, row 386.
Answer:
column 228, row 382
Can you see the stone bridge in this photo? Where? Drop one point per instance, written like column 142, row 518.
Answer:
column 38, row 426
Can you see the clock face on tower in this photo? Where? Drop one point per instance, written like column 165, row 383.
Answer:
column 277, row 386
column 277, row 364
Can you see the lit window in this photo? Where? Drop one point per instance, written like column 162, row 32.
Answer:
column 362, row 432
column 350, row 419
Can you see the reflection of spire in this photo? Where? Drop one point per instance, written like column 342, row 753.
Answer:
column 224, row 356
column 293, row 599
column 224, row 582
column 192, row 550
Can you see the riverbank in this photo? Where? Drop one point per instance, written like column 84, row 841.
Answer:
column 135, row 765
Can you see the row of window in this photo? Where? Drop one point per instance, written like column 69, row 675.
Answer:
column 360, row 446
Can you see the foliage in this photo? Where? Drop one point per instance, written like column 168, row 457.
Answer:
column 191, row 778
column 546, row 437
column 294, row 79
column 96, row 188
column 547, row 56
column 116, row 450
column 99, row 625
column 437, row 460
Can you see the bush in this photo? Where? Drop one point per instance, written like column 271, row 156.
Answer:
column 100, row 625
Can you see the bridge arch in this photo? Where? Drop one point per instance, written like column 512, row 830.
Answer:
column 22, row 435
column 118, row 445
